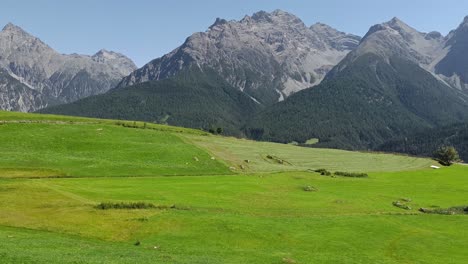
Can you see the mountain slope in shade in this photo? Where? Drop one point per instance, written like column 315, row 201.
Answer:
column 426, row 142
column 267, row 56
column 379, row 91
column 56, row 77
column 197, row 98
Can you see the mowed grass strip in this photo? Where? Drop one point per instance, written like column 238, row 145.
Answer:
column 95, row 150
column 253, row 156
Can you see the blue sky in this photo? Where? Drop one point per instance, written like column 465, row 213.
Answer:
column 147, row 29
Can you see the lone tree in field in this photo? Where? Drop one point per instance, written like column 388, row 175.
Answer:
column 446, row 155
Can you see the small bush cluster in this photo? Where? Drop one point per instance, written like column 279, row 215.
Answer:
column 401, row 204
column 132, row 125
column 216, row 131
column 323, row 172
column 277, row 160
column 309, row 188
column 446, row 211
column 351, row 174
column 142, row 219
column 122, row 205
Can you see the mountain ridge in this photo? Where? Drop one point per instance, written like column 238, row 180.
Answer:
column 268, row 56
column 58, row 78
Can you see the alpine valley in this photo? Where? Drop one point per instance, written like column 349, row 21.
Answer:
column 270, row 77
column 261, row 140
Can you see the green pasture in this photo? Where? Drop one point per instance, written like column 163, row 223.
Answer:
column 216, row 199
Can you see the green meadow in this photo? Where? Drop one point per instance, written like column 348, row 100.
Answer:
column 216, row 199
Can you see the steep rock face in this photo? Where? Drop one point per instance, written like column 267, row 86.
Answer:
column 14, row 95
column 268, row 56
column 56, row 77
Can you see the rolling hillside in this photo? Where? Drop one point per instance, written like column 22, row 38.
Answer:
column 60, row 146
column 82, row 190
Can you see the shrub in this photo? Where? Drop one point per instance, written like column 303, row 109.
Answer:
column 401, row 205
column 446, row 155
column 351, row 174
column 323, row 172
column 309, row 188
column 277, row 160
column 122, row 205
column 446, row 211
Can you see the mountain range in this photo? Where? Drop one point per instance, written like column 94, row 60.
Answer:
column 34, row 76
column 267, row 56
column 270, row 77
column 264, row 58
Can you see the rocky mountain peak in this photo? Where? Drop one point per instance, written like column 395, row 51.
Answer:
column 395, row 26
column 463, row 25
column 322, row 27
column 12, row 28
column 275, row 17
column 396, row 22
column 285, row 16
column 401, row 27
column 16, row 33
column 397, row 39
column 117, row 61
column 218, row 22
column 107, row 55
column 465, row 21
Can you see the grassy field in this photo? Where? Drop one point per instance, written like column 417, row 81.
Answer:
column 52, row 176
column 54, row 150
column 237, row 151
